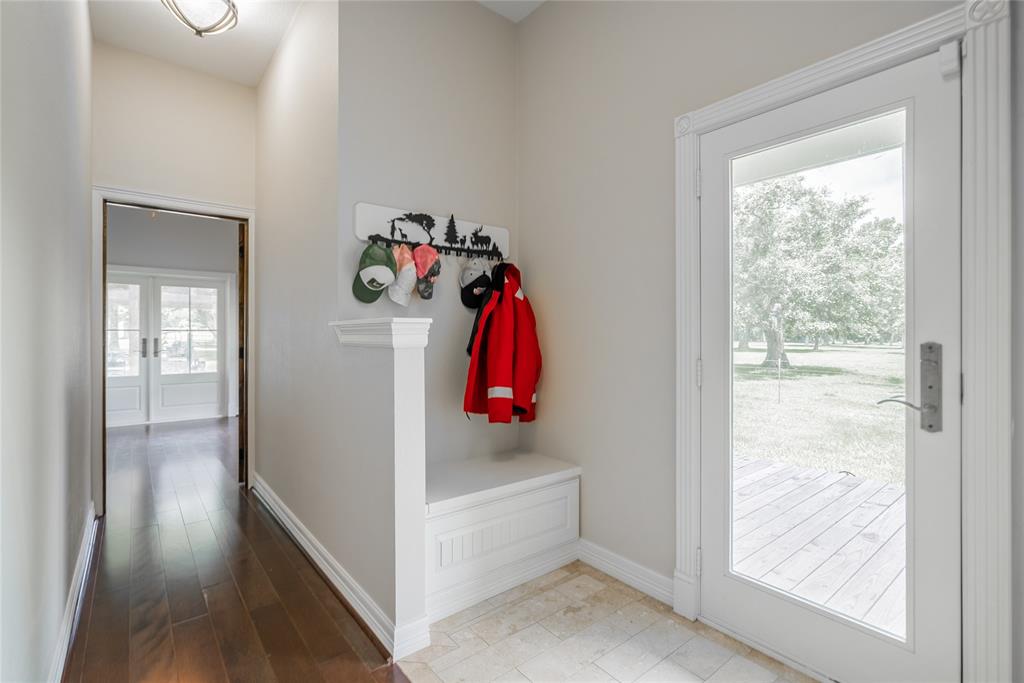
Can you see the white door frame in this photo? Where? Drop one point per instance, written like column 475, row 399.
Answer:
column 101, row 194
column 982, row 28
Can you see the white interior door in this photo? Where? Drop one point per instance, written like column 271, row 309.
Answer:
column 127, row 349
column 830, row 280
column 188, row 378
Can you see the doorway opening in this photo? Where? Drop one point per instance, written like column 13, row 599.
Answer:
column 175, row 321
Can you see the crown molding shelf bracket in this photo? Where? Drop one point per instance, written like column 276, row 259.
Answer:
column 407, row 338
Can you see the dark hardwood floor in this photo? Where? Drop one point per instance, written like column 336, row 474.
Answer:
column 193, row 580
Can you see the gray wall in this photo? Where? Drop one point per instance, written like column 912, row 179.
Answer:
column 44, row 314
column 171, row 241
column 428, row 124
column 324, row 415
column 599, row 86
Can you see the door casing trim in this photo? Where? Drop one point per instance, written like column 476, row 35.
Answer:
column 983, row 29
column 101, row 195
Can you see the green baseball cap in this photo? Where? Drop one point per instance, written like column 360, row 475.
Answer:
column 377, row 269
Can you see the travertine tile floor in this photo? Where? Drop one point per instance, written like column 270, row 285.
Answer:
column 578, row 624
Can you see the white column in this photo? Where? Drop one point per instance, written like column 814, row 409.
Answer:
column 987, row 352
column 406, row 338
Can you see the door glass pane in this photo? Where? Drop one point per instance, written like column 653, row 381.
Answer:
column 203, row 308
column 174, row 353
column 818, row 315
column 204, row 352
column 174, row 308
column 122, row 353
column 123, row 329
column 122, row 306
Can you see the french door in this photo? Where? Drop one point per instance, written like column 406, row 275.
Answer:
column 830, row 400
column 166, row 350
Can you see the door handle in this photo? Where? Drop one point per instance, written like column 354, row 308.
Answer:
column 931, row 388
column 926, row 408
column 144, row 340
column 156, row 347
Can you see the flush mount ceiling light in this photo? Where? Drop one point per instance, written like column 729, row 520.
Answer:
column 204, row 17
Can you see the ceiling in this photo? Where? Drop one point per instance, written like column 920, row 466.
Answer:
column 516, row 10
column 240, row 55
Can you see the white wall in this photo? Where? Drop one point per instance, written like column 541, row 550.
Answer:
column 45, row 385
column 599, row 85
column 1017, row 19
column 162, row 128
column 324, row 439
column 428, row 124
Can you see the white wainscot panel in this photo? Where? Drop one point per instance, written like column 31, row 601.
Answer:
column 465, row 547
column 123, row 398
column 198, row 393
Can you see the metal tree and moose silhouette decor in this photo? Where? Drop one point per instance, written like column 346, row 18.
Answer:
column 386, row 226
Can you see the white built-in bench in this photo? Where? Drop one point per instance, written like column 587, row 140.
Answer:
column 494, row 522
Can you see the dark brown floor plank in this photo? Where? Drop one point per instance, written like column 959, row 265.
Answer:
column 184, row 592
column 106, row 651
column 145, row 615
column 196, row 654
column 316, row 627
column 354, row 634
column 243, row 655
column 114, row 563
column 151, row 655
column 191, row 505
column 210, row 564
column 291, row 661
column 146, row 552
column 345, row 669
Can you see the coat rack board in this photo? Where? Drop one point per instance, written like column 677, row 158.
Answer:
column 447, row 234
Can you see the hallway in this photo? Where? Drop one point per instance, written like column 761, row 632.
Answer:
column 193, row 580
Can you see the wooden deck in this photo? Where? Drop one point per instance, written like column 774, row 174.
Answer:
column 828, row 537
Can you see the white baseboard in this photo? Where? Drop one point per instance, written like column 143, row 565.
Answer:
column 457, row 598
column 627, row 571
column 73, row 607
column 410, row 638
column 357, row 597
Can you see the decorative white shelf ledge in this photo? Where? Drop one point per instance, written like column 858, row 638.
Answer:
column 391, row 333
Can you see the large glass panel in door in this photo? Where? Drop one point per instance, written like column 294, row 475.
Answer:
column 188, row 330
column 819, row 336
column 124, row 329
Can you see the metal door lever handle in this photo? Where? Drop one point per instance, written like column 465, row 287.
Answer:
column 926, row 408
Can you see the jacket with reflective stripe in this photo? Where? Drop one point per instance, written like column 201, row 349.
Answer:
column 505, row 358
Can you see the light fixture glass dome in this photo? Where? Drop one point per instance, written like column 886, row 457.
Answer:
column 204, row 17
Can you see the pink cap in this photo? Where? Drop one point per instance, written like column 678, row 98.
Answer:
column 424, row 256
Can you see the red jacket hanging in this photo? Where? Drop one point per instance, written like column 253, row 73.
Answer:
column 505, row 360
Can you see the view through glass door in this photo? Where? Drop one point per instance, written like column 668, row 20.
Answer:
column 127, row 348
column 166, row 346
column 830, row 409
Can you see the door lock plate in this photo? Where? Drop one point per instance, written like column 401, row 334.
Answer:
column 931, row 387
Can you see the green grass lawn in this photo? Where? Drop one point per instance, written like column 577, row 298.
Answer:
column 822, row 413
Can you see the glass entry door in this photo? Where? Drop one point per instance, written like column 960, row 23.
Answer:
column 127, row 349
column 830, row 333
column 188, row 319
column 166, row 347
